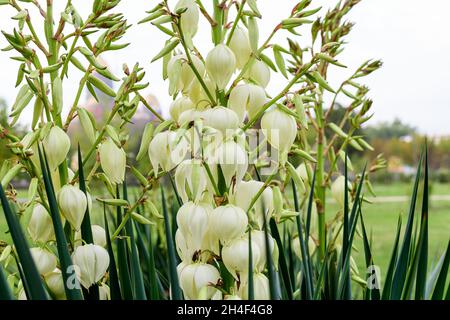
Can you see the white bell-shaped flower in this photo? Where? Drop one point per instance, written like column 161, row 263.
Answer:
column 232, row 159
column 56, row 145
column 167, row 150
column 193, row 220
column 45, row 261
column 182, row 76
column 247, row 97
column 220, row 65
column 197, row 281
column 55, row 283
column 73, row 203
column 280, row 129
column 191, row 180
column 240, row 45
column 198, row 95
column 228, row 222
column 113, row 161
column 40, row 226
column 261, row 288
column 260, row 239
column 235, row 255
column 180, row 105
column 189, row 18
column 338, row 190
column 223, row 119
column 92, row 261
column 246, row 191
column 260, row 73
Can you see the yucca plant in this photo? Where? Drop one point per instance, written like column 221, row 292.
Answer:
column 232, row 202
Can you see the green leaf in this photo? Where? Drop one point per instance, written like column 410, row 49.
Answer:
column 5, row 290
column 167, row 49
column 136, row 272
column 173, row 275
column 251, row 289
column 113, row 276
column 423, row 239
column 370, row 294
column 149, row 258
column 61, row 243
column 33, row 280
column 282, row 259
column 398, row 280
column 439, row 287
column 392, row 262
column 122, row 258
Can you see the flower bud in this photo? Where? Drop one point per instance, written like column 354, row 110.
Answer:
column 245, row 192
column 179, row 106
column 280, row 129
column 192, row 219
column 167, row 151
column 40, row 226
column 55, row 283
column 45, row 261
column 259, row 238
column 57, row 145
column 73, row 203
column 182, row 77
column 198, row 279
column 189, row 18
column 235, row 256
column 222, row 119
column 247, row 97
column 338, row 190
column 113, row 161
column 261, row 288
column 296, row 246
column 93, row 261
column 191, row 180
column 228, row 222
column 232, row 159
column 99, row 235
column 260, row 73
column 240, row 45
column 220, row 64
column 198, row 95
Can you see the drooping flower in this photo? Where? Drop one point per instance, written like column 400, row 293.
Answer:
column 235, row 255
column 113, row 161
column 45, row 261
column 191, row 180
column 280, row 129
column 260, row 73
column 223, row 119
column 220, row 65
column 167, row 150
column 247, row 97
column 92, row 261
column 181, row 74
column 261, row 289
column 193, row 219
column 73, row 203
column 180, row 105
column 245, row 192
column 197, row 281
column 55, row 283
column 228, row 222
column 56, row 145
column 189, row 18
column 40, row 226
column 240, row 45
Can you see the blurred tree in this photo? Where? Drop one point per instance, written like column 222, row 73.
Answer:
column 389, row 130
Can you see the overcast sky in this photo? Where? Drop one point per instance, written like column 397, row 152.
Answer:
column 411, row 38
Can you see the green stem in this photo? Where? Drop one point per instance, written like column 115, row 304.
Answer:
column 236, row 20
